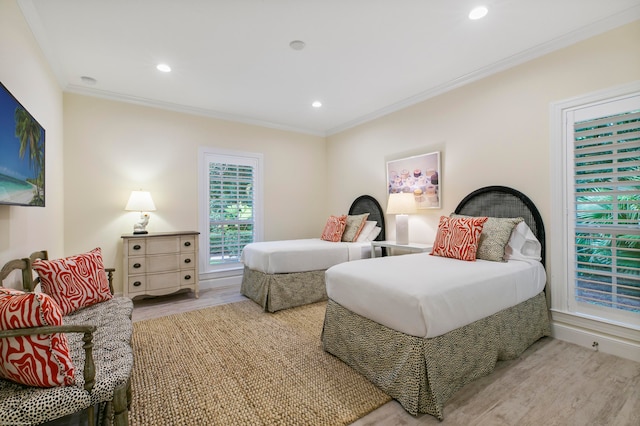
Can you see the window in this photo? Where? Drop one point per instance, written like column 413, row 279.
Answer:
column 606, row 205
column 596, row 216
column 230, row 207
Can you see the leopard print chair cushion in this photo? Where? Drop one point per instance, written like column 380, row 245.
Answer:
column 113, row 359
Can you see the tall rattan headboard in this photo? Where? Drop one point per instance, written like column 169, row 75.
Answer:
column 502, row 201
column 368, row 204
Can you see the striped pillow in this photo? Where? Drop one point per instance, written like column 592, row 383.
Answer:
column 458, row 237
column 495, row 235
column 74, row 282
column 41, row 360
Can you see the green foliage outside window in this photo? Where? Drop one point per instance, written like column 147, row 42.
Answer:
column 607, row 237
column 230, row 211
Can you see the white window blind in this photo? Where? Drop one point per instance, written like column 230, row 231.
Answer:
column 230, row 207
column 606, row 201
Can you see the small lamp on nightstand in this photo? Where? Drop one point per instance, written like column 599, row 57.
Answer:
column 140, row 201
column 402, row 204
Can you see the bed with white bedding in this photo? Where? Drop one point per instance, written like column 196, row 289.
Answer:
column 420, row 326
column 283, row 274
column 313, row 254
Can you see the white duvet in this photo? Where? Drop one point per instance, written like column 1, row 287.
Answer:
column 427, row 296
column 303, row 255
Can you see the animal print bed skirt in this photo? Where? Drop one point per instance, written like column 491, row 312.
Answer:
column 422, row 374
column 275, row 292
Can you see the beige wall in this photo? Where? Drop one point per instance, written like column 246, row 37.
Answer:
column 24, row 71
column 491, row 132
column 112, row 148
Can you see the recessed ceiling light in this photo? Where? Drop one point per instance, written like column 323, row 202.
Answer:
column 163, row 68
column 478, row 13
column 316, row 104
column 297, row 45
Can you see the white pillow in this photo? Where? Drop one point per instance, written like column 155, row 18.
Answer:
column 366, row 230
column 523, row 245
column 376, row 231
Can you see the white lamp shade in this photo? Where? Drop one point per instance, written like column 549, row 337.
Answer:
column 140, row 201
column 401, row 203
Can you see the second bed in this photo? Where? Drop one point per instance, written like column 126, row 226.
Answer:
column 284, row 274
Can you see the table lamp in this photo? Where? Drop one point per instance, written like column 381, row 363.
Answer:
column 140, row 201
column 402, row 204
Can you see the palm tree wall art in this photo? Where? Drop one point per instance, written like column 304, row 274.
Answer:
column 22, row 154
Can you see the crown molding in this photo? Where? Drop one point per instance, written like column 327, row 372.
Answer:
column 576, row 36
column 104, row 94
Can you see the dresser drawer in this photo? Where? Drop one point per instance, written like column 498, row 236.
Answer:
column 137, row 283
column 187, row 261
column 163, row 263
column 137, row 265
column 187, row 277
column 162, row 245
column 160, row 281
column 188, row 244
column 136, row 247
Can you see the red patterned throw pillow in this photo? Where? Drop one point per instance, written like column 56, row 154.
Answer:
column 334, row 228
column 458, row 237
column 74, row 282
column 41, row 360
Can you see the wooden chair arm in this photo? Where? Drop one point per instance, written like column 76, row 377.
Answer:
column 42, row 255
column 89, row 372
column 24, row 265
column 110, row 272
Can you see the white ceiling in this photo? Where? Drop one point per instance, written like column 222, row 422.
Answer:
column 363, row 58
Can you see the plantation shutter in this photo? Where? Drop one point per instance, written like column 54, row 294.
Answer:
column 606, row 181
column 231, row 210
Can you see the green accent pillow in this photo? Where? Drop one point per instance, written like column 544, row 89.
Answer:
column 354, row 226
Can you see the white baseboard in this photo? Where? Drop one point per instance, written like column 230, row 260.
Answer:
column 596, row 341
column 221, row 282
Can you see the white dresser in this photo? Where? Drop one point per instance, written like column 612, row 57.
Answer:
column 160, row 263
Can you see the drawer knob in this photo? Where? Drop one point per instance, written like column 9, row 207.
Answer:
column 136, row 247
column 136, row 265
column 187, row 261
column 137, row 284
column 187, row 277
column 187, row 243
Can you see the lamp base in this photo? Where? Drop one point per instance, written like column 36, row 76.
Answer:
column 141, row 227
column 402, row 229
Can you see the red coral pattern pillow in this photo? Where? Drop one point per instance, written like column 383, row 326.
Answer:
column 41, row 360
column 334, row 228
column 458, row 238
column 74, row 282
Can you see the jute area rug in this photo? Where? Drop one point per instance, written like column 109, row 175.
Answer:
column 237, row 365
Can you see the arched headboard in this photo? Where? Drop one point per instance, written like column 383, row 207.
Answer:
column 502, row 201
column 368, row 204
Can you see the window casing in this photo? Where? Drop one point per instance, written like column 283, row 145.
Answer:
column 230, row 194
column 596, row 195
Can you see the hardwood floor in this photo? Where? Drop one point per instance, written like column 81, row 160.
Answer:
column 155, row 307
column 552, row 383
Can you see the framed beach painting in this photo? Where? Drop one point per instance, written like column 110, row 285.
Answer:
column 21, row 154
column 419, row 175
